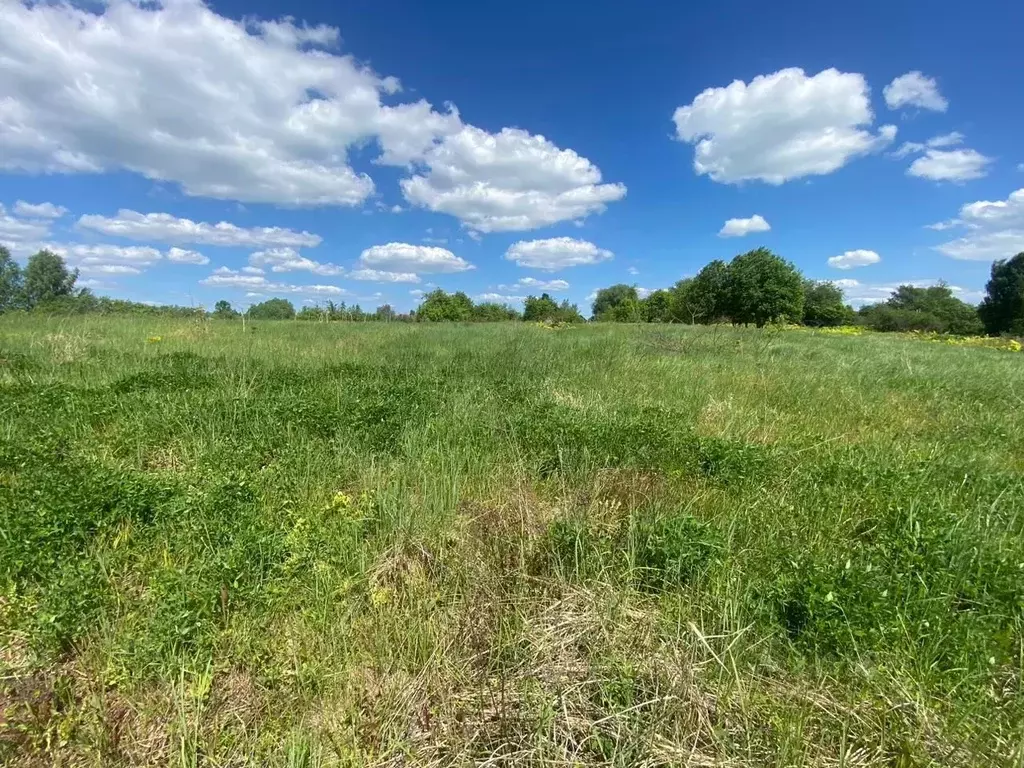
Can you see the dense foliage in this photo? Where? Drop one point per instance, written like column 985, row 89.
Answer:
column 1002, row 310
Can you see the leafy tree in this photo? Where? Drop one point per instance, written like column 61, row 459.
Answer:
column 440, row 306
column 10, row 281
column 704, row 298
column 540, row 309
column 272, row 309
column 824, row 306
column 953, row 315
column 764, row 288
column 46, row 278
column 1002, row 310
column 619, row 303
column 569, row 313
column 223, row 310
column 384, row 313
column 492, row 312
column 656, row 307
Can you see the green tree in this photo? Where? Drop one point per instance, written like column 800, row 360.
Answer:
column 824, row 305
column 384, row 313
column 223, row 310
column 617, row 303
column 440, row 306
column 953, row 315
column 704, row 298
column 764, row 288
column 47, row 278
column 10, row 281
column 656, row 307
column 492, row 312
column 272, row 309
column 1002, row 309
column 540, row 309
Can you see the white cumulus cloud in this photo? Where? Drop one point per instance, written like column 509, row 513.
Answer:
column 290, row 260
column 500, row 298
column 556, row 253
column 381, row 276
column 224, row 277
column 950, row 165
column 182, row 256
column 914, row 89
column 39, row 210
column 854, row 259
column 781, row 126
column 15, row 231
column 994, row 230
column 405, row 257
column 741, row 227
column 533, row 284
column 167, row 228
column 508, row 181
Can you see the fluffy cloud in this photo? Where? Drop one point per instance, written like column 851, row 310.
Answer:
column 946, row 140
column 380, row 276
column 556, row 253
column 81, row 254
column 290, row 260
column 181, row 256
column 741, row 227
column 110, row 269
column 241, row 110
column 14, row 231
column 533, row 284
column 260, row 111
column 167, row 228
column 509, row 181
column 223, row 277
column 950, row 165
column 914, row 89
column 633, row 271
column 781, row 126
column 405, row 257
column 854, row 259
column 39, row 210
column 994, row 230
column 501, row 298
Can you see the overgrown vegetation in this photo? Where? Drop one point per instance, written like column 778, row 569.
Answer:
column 423, row 545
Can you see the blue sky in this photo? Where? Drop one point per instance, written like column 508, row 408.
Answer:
column 364, row 152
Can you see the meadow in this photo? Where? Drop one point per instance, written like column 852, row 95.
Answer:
column 387, row 544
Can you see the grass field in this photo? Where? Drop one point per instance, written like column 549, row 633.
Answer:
column 411, row 545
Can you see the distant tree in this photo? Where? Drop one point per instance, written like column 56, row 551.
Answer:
column 492, row 312
column 704, row 298
column 46, row 278
column 272, row 309
column 11, row 287
column 617, row 303
column 439, row 306
column 764, row 288
column 384, row 313
column 1002, row 309
column 656, row 307
column 223, row 310
column 569, row 313
column 824, row 305
column 540, row 309
column 953, row 315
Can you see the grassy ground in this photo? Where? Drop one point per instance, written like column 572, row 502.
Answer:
column 504, row 545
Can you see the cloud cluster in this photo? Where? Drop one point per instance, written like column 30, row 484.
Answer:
column 533, row 284
column 556, row 253
column 741, row 227
column 914, row 89
column 39, row 210
column 290, row 260
column 781, row 126
column 409, row 258
column 994, row 230
column 854, row 259
column 224, row 277
column 257, row 111
column 509, row 181
column 164, row 227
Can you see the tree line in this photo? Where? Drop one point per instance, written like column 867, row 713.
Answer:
column 754, row 288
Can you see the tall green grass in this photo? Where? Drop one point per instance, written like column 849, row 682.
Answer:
column 341, row 544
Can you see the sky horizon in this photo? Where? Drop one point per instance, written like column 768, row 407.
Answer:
column 183, row 153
